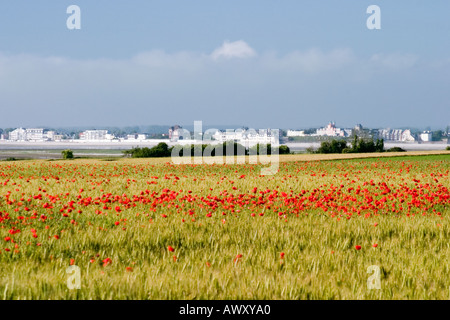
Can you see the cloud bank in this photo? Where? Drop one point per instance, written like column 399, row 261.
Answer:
column 234, row 84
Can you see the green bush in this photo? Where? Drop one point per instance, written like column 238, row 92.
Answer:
column 158, row 151
column 358, row 146
column 367, row 146
column 333, row 146
column 67, row 154
column 284, row 150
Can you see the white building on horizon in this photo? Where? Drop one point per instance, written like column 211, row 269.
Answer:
column 35, row 134
column 30, row 134
column 96, row 135
column 18, row 134
column 136, row 137
column 331, row 131
column 396, row 135
column 176, row 132
column 49, row 135
column 247, row 138
column 426, row 136
column 295, row 133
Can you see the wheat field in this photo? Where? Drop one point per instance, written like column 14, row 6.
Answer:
column 149, row 229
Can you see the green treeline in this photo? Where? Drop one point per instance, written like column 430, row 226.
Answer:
column 358, row 146
column 163, row 150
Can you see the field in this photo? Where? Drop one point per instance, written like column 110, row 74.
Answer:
column 148, row 229
column 23, row 154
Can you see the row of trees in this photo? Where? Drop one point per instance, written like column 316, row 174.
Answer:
column 227, row 148
column 358, row 146
column 159, row 151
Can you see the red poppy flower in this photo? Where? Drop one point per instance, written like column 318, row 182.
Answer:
column 170, row 249
column 358, row 247
column 106, row 261
column 237, row 257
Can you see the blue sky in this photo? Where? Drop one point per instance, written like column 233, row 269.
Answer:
column 285, row 64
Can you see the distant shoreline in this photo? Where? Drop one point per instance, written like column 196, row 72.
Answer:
column 79, row 144
column 124, row 145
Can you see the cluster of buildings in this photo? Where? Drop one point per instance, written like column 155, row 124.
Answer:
column 404, row 135
column 245, row 137
column 103, row 135
column 96, row 135
column 41, row 135
column 33, row 134
column 401, row 135
column 330, row 131
column 396, row 135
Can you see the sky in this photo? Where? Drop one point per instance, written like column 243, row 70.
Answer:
column 257, row 63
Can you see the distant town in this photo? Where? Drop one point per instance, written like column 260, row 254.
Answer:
column 244, row 135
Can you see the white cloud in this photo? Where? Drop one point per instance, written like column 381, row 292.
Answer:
column 237, row 49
